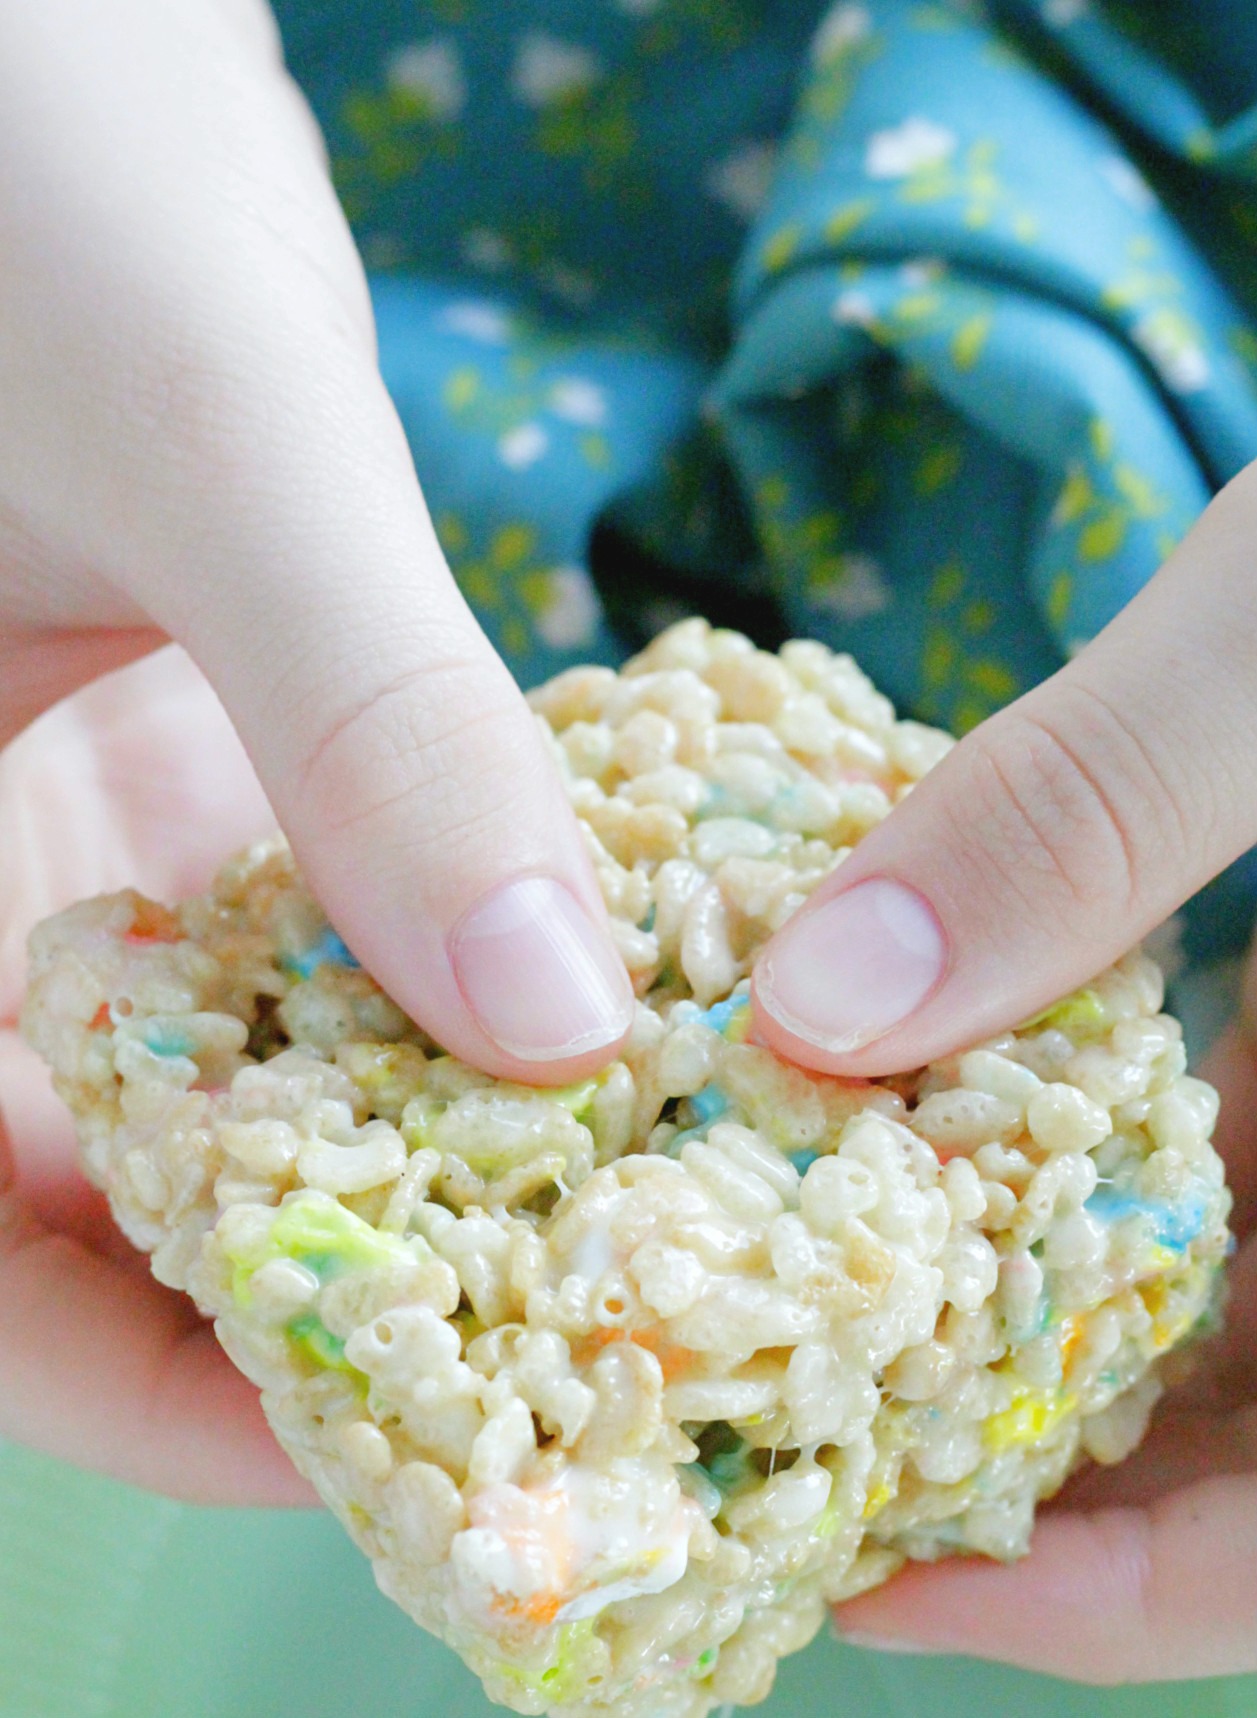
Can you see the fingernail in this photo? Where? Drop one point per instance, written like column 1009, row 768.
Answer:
column 844, row 973
column 542, row 980
column 875, row 1643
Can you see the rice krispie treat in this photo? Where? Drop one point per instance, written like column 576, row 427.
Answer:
column 619, row 1385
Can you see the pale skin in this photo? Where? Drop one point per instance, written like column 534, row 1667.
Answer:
column 195, row 444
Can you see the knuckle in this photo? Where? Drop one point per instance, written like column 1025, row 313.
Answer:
column 444, row 737
column 1123, row 1546
column 1068, row 800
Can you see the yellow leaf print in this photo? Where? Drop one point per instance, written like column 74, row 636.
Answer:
column 819, row 531
column 511, row 545
column 937, row 469
column 1103, row 537
column 938, row 659
column 781, row 247
column 1144, row 500
column 967, row 714
column 477, row 585
column 1058, row 599
column 1101, row 433
column 969, row 339
column 515, row 639
column 535, row 590
column 1076, row 498
column 596, row 451
column 947, row 585
column 461, row 388
column 845, row 220
column 917, row 306
column 992, row 678
column 451, row 532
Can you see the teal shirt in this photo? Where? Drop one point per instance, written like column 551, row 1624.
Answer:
column 926, row 329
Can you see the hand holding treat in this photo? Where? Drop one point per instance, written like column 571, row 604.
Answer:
column 196, row 443
column 1054, row 837
column 618, row 1383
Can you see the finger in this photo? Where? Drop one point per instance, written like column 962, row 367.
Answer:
column 1050, row 840
column 36, row 672
column 413, row 782
column 1124, row 1595
column 270, row 519
column 105, row 1368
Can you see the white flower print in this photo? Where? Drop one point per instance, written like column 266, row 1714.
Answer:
column 1173, row 346
column 842, row 26
column 570, row 614
column 920, row 272
column 433, row 70
column 858, row 590
column 577, row 400
column 1059, row 13
column 522, row 446
column 1125, row 179
column 548, row 70
column 854, row 310
column 906, row 148
column 741, row 181
column 487, row 250
column 478, row 320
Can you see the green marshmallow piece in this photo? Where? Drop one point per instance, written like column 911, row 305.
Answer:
column 1084, row 1010
column 317, row 1231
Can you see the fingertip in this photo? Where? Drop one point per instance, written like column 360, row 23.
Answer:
column 839, row 981
column 541, row 978
column 563, row 1071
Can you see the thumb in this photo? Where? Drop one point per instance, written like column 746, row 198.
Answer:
column 402, row 760
column 1049, row 840
column 225, row 454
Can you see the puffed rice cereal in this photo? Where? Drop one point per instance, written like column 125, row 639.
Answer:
column 620, row 1385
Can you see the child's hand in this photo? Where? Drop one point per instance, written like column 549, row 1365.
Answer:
column 101, row 1364
column 1047, row 843
column 195, row 441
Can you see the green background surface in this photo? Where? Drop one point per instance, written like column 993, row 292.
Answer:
column 114, row 1604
